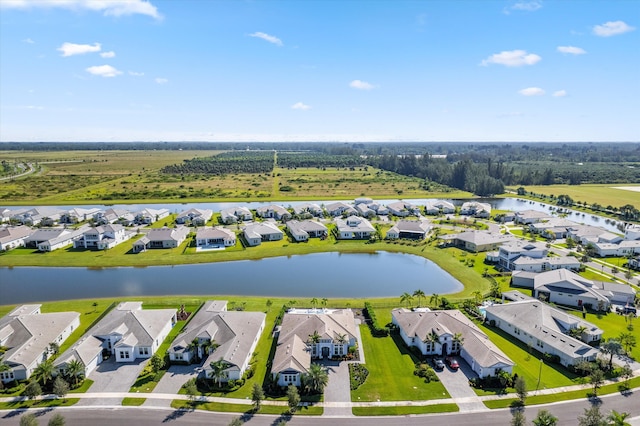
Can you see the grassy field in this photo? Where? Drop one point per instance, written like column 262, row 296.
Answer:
column 591, row 193
column 391, row 377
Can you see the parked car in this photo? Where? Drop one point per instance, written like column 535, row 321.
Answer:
column 452, row 363
column 438, row 364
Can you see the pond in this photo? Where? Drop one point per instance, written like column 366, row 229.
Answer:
column 320, row 275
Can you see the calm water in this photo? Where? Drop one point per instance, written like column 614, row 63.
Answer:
column 314, row 275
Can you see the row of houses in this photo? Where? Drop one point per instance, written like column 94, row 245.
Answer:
column 50, row 216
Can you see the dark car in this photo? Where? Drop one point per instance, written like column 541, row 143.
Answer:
column 452, row 362
column 438, row 364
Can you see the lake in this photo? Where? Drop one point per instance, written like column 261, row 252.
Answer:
column 320, row 275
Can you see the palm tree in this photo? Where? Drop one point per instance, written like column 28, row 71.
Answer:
column 435, row 298
column 74, row 369
column 458, row 341
column 577, row 332
column 432, row 338
column 218, row 370
column 419, row 294
column 618, row 419
column 208, row 346
column 314, row 302
column 324, row 302
column 3, row 365
column 315, row 379
column 44, row 371
column 315, row 337
column 545, row 418
column 195, row 346
column 477, row 297
column 341, row 338
column 406, row 298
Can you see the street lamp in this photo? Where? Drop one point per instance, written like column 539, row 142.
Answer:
column 539, row 374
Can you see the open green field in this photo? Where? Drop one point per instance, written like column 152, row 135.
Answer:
column 605, row 195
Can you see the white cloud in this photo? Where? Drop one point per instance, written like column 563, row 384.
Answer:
column 161, row 80
column 531, row 91
column 271, row 39
column 136, row 74
column 300, row 106
column 572, row 50
column 104, row 71
column 528, row 6
column 560, row 93
column 107, row 7
column 70, row 49
column 512, row 58
column 28, row 41
column 110, row 54
column 612, row 28
column 361, row 85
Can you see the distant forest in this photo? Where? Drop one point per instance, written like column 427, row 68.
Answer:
column 481, row 168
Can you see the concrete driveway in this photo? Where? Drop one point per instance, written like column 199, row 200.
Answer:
column 111, row 376
column 172, row 381
column 457, row 384
column 338, row 391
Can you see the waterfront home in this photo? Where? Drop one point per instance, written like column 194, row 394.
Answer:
column 13, row 236
column 354, row 228
column 196, row 217
column 624, row 248
column 26, row 334
column 365, row 210
column 553, row 228
column 340, row 209
column 214, row 334
column 307, row 334
column 403, row 209
column 439, row 207
column 273, row 212
column 103, row 237
column 442, row 333
column 147, row 216
column 305, row 229
column 527, row 217
column 411, row 229
column 632, row 232
column 45, row 216
column 77, row 215
column 50, row 239
column 511, row 251
column 120, row 216
column 363, row 200
column 127, row 332
column 5, row 215
column 475, row 209
column 380, row 209
column 525, row 263
column 477, row 241
column 235, row 215
column 256, row 233
column 215, row 237
column 161, row 238
column 546, row 329
column 309, row 209
column 570, row 289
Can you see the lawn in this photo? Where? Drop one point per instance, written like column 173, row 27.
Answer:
column 613, row 325
column 133, row 402
column 245, row 408
column 604, row 194
column 405, row 410
column 391, row 376
column 40, row 403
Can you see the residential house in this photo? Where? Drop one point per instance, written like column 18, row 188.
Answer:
column 5, row 215
column 50, row 239
column 477, row 241
column 127, row 332
column 45, row 216
column 475, row 209
column 634, row 263
column 526, row 263
column 527, row 217
column 77, row 215
column 546, row 329
column 215, row 237
column 196, row 217
column 380, row 209
column 120, row 216
column 231, row 336
column 161, row 238
column 273, row 212
column 622, row 249
column 365, row 210
column 632, row 232
column 340, row 209
column 147, row 216
column 354, row 228
column 403, row 209
column 510, row 252
column 410, row 229
column 26, row 334
column 363, row 200
column 103, row 237
column 235, row 215
column 303, row 230
column 309, row 209
column 13, row 236
column 256, row 233
column 586, row 234
column 553, row 228
column 439, row 207
column 449, row 332
column 307, row 334
column 568, row 288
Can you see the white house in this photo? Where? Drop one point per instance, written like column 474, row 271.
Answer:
column 235, row 215
column 256, row 233
column 449, row 332
column 147, row 216
column 307, row 334
column 111, row 215
column 475, row 209
column 354, row 228
column 13, row 236
column 77, row 215
column 196, row 217
column 513, row 250
column 340, row 209
column 439, row 206
column 526, row 263
column 365, row 210
column 303, row 230
column 161, row 238
column 308, row 209
column 50, row 239
column 527, row 217
column 403, row 209
column 478, row 241
column 216, row 236
column 103, row 237
column 568, row 288
column 46, row 216
column 411, row 229
column 26, row 333
column 622, row 249
column 632, row 232
column 273, row 212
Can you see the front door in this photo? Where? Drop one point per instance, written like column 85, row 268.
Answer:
column 444, row 349
column 325, row 352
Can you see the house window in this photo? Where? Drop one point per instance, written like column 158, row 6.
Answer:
column 178, row 357
column 430, row 347
column 124, row 355
column 7, row 375
column 143, row 351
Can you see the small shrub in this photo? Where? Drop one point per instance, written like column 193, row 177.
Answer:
column 358, row 374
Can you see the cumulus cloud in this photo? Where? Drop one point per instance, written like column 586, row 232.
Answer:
column 70, row 49
column 531, row 91
column 300, row 106
column 361, row 85
column 108, row 8
column 528, row 6
column 572, row 50
column 560, row 93
column 612, row 28
column 104, row 71
column 161, row 80
column 136, row 74
column 28, row 41
column 267, row 37
column 110, row 54
column 512, row 58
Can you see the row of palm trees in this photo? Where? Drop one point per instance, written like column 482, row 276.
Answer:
column 407, row 298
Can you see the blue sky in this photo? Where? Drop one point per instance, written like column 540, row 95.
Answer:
column 331, row 70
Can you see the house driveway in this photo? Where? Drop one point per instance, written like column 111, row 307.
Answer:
column 457, row 384
column 337, row 393
column 172, row 381
column 111, row 376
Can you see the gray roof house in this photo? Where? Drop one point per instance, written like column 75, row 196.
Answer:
column 50, row 239
column 336, row 331
column 256, row 233
column 103, row 237
column 161, row 238
column 546, row 329
column 527, row 217
column 340, row 209
column 235, row 214
column 365, row 210
column 525, row 263
column 26, row 334
column 305, row 229
column 215, row 237
column 354, row 228
column 439, row 206
column 632, row 232
column 416, row 328
column 513, row 250
column 235, row 335
column 308, row 208
column 46, row 216
column 403, row 209
column 111, row 215
column 478, row 241
column 147, row 216
column 273, row 212
column 196, row 217
column 568, row 288
column 475, row 209
column 411, row 229
column 13, row 236
column 78, row 214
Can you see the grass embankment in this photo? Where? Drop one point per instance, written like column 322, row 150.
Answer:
column 405, row 410
column 133, row 402
column 245, row 408
column 603, row 194
column 40, row 403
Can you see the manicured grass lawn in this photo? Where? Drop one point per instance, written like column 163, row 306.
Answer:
column 613, row 325
column 391, row 373
column 405, row 410
column 42, row 403
column 245, row 408
column 604, row 194
column 86, row 384
column 133, row 402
